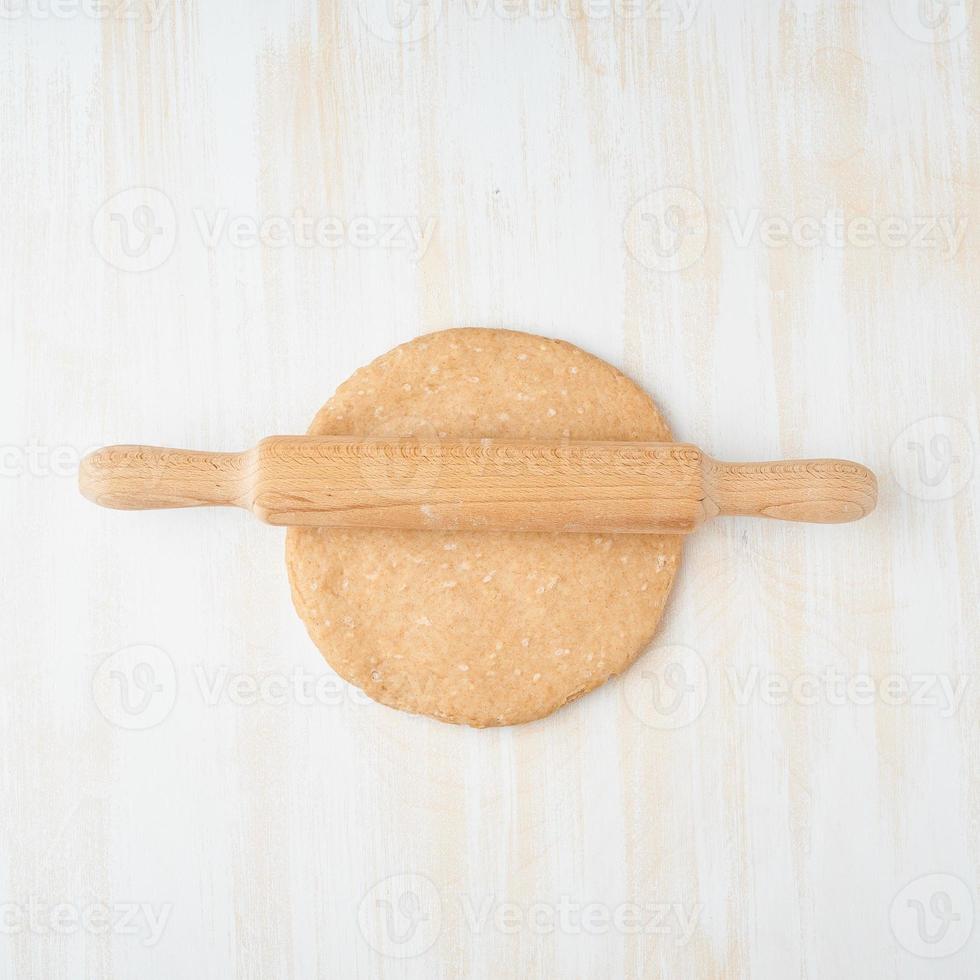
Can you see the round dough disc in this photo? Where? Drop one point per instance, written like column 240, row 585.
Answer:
column 477, row 627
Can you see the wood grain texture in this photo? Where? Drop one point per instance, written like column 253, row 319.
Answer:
column 478, row 484
column 766, row 214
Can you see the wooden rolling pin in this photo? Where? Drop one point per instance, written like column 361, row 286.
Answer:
column 492, row 484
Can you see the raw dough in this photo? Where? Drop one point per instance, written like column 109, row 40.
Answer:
column 483, row 628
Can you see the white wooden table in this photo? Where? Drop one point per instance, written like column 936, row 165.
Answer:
column 213, row 212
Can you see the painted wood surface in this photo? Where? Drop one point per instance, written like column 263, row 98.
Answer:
column 766, row 213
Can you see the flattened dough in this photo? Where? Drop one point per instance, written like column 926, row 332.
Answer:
column 473, row 627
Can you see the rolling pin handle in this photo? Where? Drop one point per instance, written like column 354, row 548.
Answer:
column 821, row 491
column 150, row 477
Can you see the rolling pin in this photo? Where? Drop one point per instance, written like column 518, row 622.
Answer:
column 478, row 484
